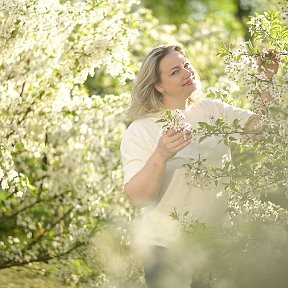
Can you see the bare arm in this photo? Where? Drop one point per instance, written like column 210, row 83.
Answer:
column 144, row 186
column 268, row 63
column 270, row 68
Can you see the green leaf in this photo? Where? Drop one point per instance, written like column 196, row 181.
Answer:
column 202, row 138
column 169, row 114
column 175, row 215
column 186, row 214
column 203, row 124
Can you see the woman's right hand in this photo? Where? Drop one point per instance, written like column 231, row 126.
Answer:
column 172, row 142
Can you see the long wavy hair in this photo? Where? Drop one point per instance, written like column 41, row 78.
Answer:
column 146, row 99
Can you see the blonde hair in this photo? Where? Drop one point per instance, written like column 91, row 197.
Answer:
column 146, row 99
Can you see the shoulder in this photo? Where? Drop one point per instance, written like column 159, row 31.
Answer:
column 207, row 105
column 144, row 129
column 211, row 102
column 141, row 136
column 143, row 122
column 142, row 125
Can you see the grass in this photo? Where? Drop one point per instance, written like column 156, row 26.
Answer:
column 27, row 278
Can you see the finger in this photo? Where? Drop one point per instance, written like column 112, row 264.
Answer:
column 179, row 142
column 170, row 138
column 177, row 137
column 182, row 145
column 259, row 61
column 188, row 133
column 171, row 132
column 271, row 54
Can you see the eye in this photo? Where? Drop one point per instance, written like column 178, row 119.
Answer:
column 175, row 72
column 187, row 65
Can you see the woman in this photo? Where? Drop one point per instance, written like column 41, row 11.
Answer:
column 154, row 175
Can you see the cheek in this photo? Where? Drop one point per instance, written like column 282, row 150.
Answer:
column 175, row 83
column 172, row 83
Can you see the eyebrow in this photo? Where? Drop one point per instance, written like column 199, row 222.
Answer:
column 178, row 66
column 174, row 68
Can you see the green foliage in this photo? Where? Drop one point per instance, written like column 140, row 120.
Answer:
column 28, row 278
column 249, row 254
column 230, row 11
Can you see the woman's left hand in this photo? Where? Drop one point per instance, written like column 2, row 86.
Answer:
column 269, row 62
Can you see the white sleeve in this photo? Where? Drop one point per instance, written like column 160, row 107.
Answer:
column 134, row 154
column 230, row 113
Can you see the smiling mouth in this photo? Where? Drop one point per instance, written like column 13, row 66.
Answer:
column 189, row 82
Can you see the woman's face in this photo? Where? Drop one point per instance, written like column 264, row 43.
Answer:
column 178, row 79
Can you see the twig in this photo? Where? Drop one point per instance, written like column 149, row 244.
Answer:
column 41, row 259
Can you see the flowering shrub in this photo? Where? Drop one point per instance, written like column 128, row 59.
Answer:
column 59, row 146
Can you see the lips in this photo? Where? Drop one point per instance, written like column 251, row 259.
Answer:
column 189, row 82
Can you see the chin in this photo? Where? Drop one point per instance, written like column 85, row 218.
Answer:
column 193, row 89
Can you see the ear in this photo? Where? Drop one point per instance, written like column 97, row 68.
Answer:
column 159, row 88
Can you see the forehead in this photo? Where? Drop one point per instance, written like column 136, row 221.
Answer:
column 171, row 60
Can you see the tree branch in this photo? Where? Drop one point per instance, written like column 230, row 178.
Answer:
column 46, row 229
column 3, row 220
column 45, row 258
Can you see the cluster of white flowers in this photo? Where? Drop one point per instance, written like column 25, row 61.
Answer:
column 258, row 23
column 44, row 45
column 243, row 69
column 47, row 46
column 45, row 42
column 241, row 65
column 255, row 209
column 283, row 7
column 174, row 119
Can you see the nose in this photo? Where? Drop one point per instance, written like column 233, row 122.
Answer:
column 188, row 72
